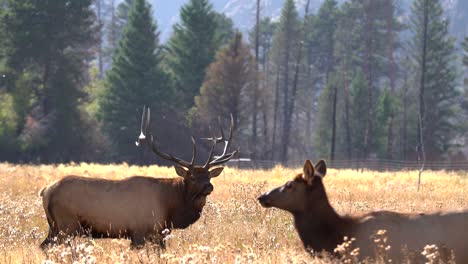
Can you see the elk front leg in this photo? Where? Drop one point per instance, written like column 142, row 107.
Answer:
column 137, row 240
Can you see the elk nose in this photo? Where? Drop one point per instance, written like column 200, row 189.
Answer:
column 263, row 200
column 208, row 189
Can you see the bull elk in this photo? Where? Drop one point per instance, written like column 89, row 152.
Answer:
column 322, row 229
column 139, row 207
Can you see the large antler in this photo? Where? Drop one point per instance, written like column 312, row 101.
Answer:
column 225, row 157
column 146, row 136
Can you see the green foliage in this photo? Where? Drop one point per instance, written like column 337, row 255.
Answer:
column 266, row 30
column 135, row 79
column 46, row 47
column 323, row 132
column 440, row 92
column 358, row 113
column 465, row 54
column 8, row 124
column 285, row 39
column 224, row 29
column 325, row 27
column 386, row 109
column 191, row 49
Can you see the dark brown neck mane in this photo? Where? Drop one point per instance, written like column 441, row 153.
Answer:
column 187, row 208
column 319, row 226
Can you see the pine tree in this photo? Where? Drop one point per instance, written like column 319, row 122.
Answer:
column 228, row 86
column 118, row 19
column 47, row 49
column 433, row 53
column 224, row 29
column 135, row 79
column 465, row 55
column 346, row 51
column 359, row 110
column 191, row 49
column 386, row 107
column 323, row 133
column 284, row 45
column 325, row 27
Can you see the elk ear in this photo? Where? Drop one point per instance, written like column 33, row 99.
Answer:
column 321, row 168
column 216, row 172
column 181, row 171
column 309, row 172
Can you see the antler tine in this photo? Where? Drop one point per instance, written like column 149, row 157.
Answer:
column 214, row 139
column 194, row 152
column 223, row 157
column 142, row 135
column 226, row 158
column 226, row 142
column 146, row 136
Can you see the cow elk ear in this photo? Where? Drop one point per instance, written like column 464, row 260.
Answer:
column 321, row 168
column 181, row 171
column 309, row 172
column 216, row 172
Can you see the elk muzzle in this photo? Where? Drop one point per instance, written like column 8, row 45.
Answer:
column 264, row 200
column 207, row 190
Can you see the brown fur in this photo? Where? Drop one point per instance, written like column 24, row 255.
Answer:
column 322, row 229
column 139, row 207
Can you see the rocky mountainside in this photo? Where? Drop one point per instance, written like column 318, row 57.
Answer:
column 242, row 12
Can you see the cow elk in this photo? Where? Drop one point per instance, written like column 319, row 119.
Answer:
column 322, row 229
column 139, row 207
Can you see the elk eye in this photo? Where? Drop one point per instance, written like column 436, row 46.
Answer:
column 289, row 185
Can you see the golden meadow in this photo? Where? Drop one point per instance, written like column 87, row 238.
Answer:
column 234, row 228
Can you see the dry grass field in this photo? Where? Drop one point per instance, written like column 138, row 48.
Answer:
column 233, row 228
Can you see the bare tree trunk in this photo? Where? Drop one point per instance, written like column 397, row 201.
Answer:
column 289, row 102
column 421, row 151
column 257, row 82
column 405, row 118
column 275, row 114
column 333, row 139
column 347, row 120
column 391, row 72
column 99, row 51
column 369, row 49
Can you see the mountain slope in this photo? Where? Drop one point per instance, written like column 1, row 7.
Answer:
column 242, row 12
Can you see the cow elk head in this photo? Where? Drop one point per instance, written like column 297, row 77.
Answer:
column 196, row 177
column 306, row 189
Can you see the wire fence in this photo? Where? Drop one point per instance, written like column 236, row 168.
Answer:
column 369, row 164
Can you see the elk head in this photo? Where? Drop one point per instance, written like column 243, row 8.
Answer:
column 197, row 178
column 304, row 191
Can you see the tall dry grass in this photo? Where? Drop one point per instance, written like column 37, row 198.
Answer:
column 233, row 227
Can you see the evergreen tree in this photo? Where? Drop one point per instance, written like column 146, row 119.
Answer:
column 191, row 49
column 46, row 50
column 224, row 29
column 323, row 132
column 135, row 79
column 433, row 54
column 285, row 43
column 228, row 86
column 325, row 27
column 465, row 55
column 386, row 106
column 359, row 110
column 118, row 18
column 346, row 52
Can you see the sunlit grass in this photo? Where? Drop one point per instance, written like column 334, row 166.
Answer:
column 233, row 227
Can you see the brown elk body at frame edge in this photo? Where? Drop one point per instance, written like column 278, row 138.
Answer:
column 138, row 207
column 321, row 228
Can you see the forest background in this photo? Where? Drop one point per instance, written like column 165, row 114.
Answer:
column 350, row 80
